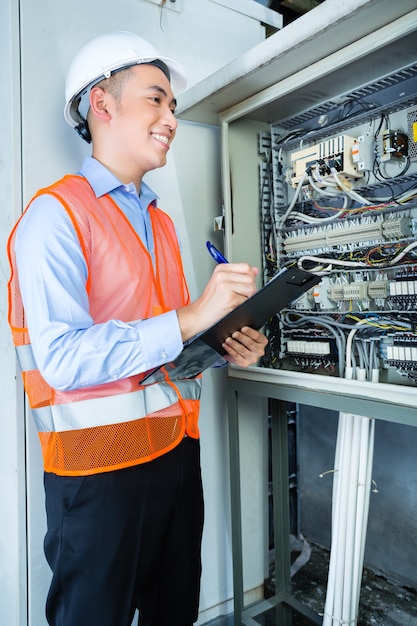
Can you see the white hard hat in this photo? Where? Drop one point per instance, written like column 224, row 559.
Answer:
column 105, row 54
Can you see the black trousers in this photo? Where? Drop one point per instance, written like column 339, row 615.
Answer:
column 127, row 539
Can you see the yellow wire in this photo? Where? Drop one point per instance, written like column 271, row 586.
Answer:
column 365, row 320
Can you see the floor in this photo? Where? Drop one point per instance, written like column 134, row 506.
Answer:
column 382, row 603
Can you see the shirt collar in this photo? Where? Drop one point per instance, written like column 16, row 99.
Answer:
column 103, row 181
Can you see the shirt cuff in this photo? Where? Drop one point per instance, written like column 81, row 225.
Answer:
column 161, row 339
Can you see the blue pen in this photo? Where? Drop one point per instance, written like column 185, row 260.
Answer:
column 217, row 256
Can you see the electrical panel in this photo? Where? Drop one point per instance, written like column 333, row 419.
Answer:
column 338, row 194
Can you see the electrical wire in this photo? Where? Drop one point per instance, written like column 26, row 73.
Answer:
column 352, row 194
column 284, row 218
column 320, row 270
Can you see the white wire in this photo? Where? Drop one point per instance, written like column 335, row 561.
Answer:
column 403, row 198
column 334, row 327
column 284, row 218
column 328, row 192
column 402, row 254
column 407, row 194
column 349, row 346
column 352, row 194
column 309, row 219
column 320, row 270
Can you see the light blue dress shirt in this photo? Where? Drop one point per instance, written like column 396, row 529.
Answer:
column 70, row 350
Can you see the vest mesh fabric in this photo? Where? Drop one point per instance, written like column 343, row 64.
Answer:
column 121, row 284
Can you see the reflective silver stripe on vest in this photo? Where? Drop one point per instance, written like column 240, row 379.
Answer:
column 115, row 409
column 26, row 358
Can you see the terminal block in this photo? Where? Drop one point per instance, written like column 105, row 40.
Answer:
column 333, row 153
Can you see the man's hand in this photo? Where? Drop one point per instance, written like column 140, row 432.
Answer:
column 230, row 285
column 245, row 347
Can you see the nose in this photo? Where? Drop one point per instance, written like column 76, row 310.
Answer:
column 170, row 120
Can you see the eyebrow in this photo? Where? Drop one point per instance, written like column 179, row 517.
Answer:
column 162, row 91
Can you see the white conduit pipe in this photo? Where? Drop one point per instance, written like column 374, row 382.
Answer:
column 349, row 543
column 351, row 491
column 336, row 565
column 364, row 488
column 352, row 483
column 328, row 610
column 343, row 518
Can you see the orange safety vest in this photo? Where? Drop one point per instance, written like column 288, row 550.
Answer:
column 123, row 423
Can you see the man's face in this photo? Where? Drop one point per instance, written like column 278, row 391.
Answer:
column 143, row 121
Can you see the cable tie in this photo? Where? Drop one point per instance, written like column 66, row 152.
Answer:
column 339, row 619
column 332, row 471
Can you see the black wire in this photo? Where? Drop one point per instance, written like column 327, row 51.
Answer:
column 365, row 106
column 412, row 184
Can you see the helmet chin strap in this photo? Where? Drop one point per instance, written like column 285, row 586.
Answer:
column 83, row 131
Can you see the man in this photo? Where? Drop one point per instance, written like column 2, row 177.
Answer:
column 98, row 298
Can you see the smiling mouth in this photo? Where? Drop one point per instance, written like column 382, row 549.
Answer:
column 161, row 138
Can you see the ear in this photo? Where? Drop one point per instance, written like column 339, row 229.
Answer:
column 99, row 103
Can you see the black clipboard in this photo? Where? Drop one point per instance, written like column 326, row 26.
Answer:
column 205, row 350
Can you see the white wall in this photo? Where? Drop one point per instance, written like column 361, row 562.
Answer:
column 203, row 37
column 12, row 468
column 39, row 39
